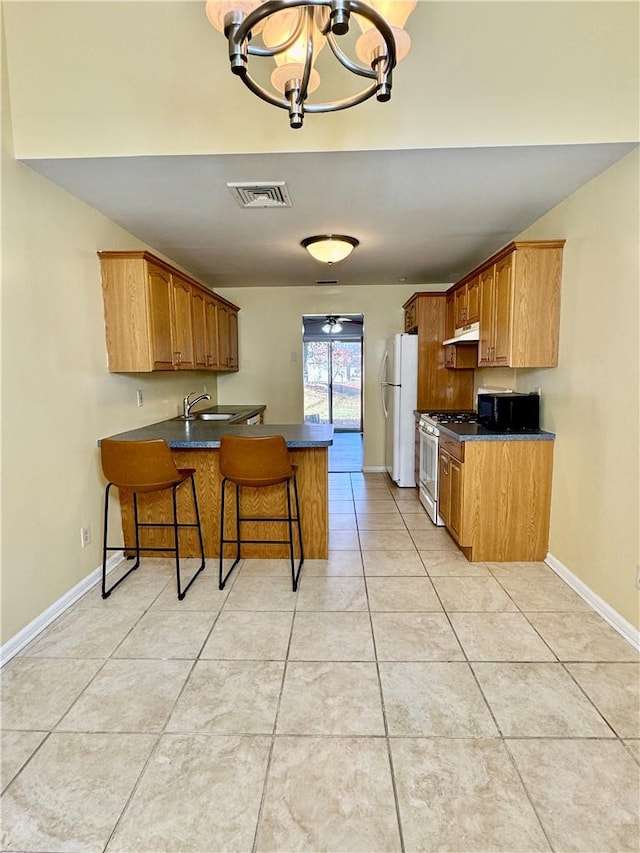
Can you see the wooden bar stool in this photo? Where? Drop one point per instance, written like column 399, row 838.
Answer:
column 145, row 466
column 259, row 463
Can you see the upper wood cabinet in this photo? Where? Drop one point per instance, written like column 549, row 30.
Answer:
column 466, row 297
column 410, row 317
column 181, row 323
column 227, row 337
column 438, row 388
column 157, row 318
column 518, row 296
column 450, row 315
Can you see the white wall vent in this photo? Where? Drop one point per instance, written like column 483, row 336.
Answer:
column 260, row 193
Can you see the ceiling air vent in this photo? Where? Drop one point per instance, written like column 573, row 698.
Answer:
column 260, row 193
column 327, row 281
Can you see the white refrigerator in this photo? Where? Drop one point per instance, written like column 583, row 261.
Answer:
column 399, row 391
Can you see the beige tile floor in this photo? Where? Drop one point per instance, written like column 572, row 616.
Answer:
column 403, row 699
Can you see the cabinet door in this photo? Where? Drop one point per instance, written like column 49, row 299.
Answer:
column 211, row 316
column 410, row 317
column 502, row 311
column 455, row 497
column 486, row 317
column 473, row 300
column 444, row 486
column 223, row 336
column 199, row 321
column 233, row 339
column 460, row 296
column 159, row 283
column 450, row 321
column 182, row 324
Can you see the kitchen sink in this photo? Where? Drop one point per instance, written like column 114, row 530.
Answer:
column 214, row 416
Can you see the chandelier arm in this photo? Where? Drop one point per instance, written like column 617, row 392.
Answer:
column 308, row 63
column 346, row 61
column 345, row 103
column 263, row 93
column 256, row 50
column 269, row 7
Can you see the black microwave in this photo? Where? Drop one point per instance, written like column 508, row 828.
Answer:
column 509, row 412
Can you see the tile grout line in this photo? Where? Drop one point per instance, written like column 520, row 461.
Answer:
column 384, row 717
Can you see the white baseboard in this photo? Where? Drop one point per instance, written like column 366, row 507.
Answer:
column 31, row 631
column 630, row 633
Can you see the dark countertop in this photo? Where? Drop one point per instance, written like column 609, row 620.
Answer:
column 475, row 432
column 198, row 434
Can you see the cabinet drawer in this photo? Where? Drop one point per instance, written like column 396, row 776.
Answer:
column 454, row 448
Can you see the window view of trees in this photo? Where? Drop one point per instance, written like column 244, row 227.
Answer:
column 333, row 383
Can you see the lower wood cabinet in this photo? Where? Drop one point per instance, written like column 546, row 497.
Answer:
column 158, row 318
column 495, row 497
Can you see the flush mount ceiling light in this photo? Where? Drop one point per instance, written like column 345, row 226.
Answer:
column 293, row 32
column 330, row 248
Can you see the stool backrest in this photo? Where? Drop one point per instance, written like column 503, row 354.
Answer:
column 139, row 465
column 260, row 461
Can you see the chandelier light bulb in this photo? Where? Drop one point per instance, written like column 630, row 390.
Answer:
column 278, row 29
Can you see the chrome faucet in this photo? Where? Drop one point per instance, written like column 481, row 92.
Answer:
column 188, row 404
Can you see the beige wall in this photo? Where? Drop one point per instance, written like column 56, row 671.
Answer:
column 157, row 81
column 591, row 399
column 57, row 396
column 270, row 339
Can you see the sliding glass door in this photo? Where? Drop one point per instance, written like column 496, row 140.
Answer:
column 333, row 383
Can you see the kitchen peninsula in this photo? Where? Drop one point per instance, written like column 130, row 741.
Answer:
column 195, row 444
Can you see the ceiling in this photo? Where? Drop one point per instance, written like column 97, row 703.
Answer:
column 424, row 216
column 131, row 108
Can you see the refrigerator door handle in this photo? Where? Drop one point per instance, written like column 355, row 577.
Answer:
column 383, row 368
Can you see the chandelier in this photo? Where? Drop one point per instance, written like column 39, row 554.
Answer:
column 294, row 32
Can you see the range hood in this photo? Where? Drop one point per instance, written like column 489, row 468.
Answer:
column 465, row 335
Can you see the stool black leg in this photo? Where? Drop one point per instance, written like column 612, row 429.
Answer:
column 182, row 593
column 195, row 504
column 176, row 546
column 295, row 492
column 221, row 580
column 104, row 541
column 107, row 592
column 290, row 525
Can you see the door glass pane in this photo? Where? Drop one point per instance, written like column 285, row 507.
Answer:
column 346, row 386
column 317, row 409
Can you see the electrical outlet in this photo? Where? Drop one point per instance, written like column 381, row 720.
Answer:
column 85, row 536
column 140, row 397
column 204, row 388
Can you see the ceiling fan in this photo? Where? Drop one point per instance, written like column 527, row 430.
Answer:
column 333, row 324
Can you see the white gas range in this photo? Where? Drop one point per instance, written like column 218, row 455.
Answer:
column 429, row 432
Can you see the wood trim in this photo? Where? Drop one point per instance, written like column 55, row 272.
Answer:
column 505, row 250
column 148, row 256
column 425, row 293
